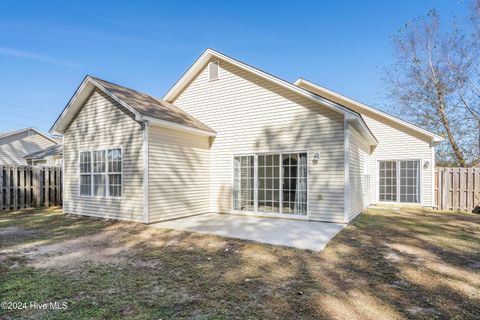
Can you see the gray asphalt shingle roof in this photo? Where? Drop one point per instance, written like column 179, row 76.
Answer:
column 149, row 106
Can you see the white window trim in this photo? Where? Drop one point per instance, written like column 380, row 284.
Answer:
column 107, row 191
column 218, row 70
column 264, row 214
column 397, row 161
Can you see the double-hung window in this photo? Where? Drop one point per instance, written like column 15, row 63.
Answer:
column 399, row 181
column 101, row 173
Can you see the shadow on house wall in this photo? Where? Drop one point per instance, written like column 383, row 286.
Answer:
column 311, row 128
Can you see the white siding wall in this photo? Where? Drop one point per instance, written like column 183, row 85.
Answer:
column 359, row 198
column 102, row 123
column 178, row 174
column 14, row 148
column 253, row 115
column 399, row 143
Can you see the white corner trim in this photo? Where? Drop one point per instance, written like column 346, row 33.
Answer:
column 145, row 217
column 176, row 126
column 63, row 175
column 346, row 152
column 432, row 164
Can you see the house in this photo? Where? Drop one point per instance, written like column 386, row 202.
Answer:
column 230, row 138
column 15, row 145
column 51, row 156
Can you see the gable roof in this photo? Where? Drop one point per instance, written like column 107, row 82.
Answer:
column 143, row 106
column 49, row 151
column 360, row 107
column 350, row 115
column 10, row 133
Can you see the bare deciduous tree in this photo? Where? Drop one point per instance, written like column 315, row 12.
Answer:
column 434, row 82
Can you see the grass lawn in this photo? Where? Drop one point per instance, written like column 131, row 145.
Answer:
column 388, row 264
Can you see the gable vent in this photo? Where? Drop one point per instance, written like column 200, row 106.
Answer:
column 213, row 71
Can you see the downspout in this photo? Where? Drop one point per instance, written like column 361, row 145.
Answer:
column 346, row 191
column 145, row 217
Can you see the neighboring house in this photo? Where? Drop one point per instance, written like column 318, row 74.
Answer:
column 50, row 156
column 230, row 138
column 15, row 145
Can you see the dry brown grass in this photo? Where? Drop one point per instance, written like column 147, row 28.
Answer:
column 388, row 264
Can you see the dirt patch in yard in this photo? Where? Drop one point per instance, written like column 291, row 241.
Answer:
column 8, row 233
column 70, row 254
column 407, row 264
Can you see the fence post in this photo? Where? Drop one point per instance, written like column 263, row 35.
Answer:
column 58, row 182
column 8, row 202
column 444, row 189
column 28, row 187
column 35, row 187
column 15, row 187
column 47, row 186
column 41, row 188
column 1, row 187
column 21, row 187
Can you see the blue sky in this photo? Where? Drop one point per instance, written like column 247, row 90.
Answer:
column 47, row 47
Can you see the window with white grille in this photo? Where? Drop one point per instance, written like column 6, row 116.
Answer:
column 399, row 181
column 101, row 173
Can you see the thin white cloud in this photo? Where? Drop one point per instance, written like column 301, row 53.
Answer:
column 36, row 57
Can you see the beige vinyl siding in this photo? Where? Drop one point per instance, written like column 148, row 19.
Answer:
column 103, row 123
column 15, row 147
column 178, row 174
column 359, row 197
column 253, row 115
column 397, row 142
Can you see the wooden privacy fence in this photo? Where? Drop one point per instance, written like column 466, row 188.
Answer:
column 24, row 187
column 457, row 189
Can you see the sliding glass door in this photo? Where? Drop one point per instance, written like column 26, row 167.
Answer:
column 410, row 181
column 271, row 183
column 268, row 192
column 294, row 184
column 399, row 181
column 244, row 183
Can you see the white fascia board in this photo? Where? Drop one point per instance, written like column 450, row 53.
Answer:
column 209, row 53
column 302, row 83
column 57, row 127
column 175, row 126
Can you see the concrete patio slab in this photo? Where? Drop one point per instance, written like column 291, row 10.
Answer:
column 292, row 233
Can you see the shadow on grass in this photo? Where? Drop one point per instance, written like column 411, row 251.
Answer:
column 388, row 264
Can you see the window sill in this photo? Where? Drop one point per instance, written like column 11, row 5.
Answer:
column 100, row 197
